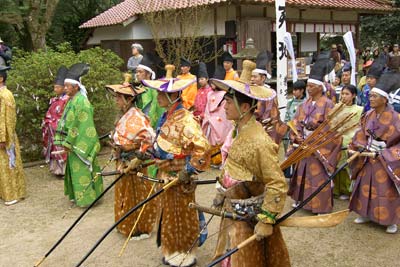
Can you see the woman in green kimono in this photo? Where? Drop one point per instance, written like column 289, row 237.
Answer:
column 76, row 132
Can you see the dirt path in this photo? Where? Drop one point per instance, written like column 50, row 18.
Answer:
column 31, row 227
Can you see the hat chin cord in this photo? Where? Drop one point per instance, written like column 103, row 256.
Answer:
column 173, row 102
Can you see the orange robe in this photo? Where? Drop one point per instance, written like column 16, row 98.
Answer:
column 231, row 75
column 189, row 94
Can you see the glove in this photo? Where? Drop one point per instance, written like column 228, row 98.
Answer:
column 263, row 230
column 133, row 164
column 184, row 177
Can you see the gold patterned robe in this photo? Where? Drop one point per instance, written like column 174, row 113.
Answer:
column 251, row 167
column 179, row 136
column 12, row 178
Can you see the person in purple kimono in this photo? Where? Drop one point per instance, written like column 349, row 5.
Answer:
column 313, row 170
column 57, row 104
column 376, row 180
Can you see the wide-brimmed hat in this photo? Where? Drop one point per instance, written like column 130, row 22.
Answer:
column 169, row 84
column 244, row 85
column 125, row 89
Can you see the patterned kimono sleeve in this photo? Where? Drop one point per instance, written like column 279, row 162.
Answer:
column 195, row 141
column 272, row 177
column 145, row 138
column 3, row 122
column 359, row 141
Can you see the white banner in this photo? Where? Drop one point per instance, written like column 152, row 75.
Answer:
column 289, row 47
column 281, row 58
column 348, row 40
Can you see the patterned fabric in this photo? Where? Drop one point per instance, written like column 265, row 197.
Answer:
column 201, row 101
column 312, row 171
column 291, row 108
column 49, row 127
column 330, row 93
column 181, row 143
column 270, row 110
column 148, row 103
column 133, row 132
column 375, row 194
column 253, row 151
column 76, row 131
column 215, row 125
column 12, row 178
column 189, row 94
column 231, row 75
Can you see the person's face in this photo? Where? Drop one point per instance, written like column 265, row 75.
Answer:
column 337, row 81
column 185, row 69
column 231, row 111
column 203, row 81
column 395, row 48
column 163, row 99
column 371, row 81
column 314, row 89
column 58, row 89
column 120, row 101
column 1, row 79
column 71, row 89
column 347, row 97
column 376, row 52
column 346, row 77
column 386, row 49
column 142, row 74
column 257, row 79
column 376, row 100
column 135, row 51
column 227, row 65
column 298, row 93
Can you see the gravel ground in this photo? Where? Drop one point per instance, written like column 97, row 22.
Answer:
column 31, row 227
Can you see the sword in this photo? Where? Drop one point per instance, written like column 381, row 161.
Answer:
column 290, row 213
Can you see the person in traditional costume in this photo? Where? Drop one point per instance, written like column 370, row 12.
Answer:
column 342, row 179
column 374, row 73
column 12, row 177
column 216, row 126
column 299, row 96
column 310, row 172
column 267, row 111
column 49, row 126
column 147, row 101
column 188, row 94
column 250, row 169
column 376, row 189
column 76, row 132
column 227, row 63
column 202, row 93
column 181, row 150
column 132, row 136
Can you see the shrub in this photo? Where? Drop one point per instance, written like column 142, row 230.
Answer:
column 31, row 81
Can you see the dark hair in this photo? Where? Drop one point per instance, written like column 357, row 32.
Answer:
column 242, row 98
column 352, row 89
column 299, row 84
column 4, row 75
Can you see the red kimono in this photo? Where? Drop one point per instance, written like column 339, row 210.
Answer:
column 49, row 126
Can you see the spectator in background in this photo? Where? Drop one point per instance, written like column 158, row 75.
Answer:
column 375, row 53
column 366, row 55
column 335, row 55
column 341, row 52
column 136, row 58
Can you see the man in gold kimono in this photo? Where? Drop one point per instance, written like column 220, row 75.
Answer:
column 12, row 178
column 181, row 150
column 250, row 169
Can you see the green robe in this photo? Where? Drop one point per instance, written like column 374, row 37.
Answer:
column 77, row 132
column 148, row 103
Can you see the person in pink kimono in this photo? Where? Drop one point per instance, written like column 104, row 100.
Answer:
column 215, row 125
column 49, row 125
column 200, row 101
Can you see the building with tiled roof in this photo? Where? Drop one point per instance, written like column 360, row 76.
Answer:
column 235, row 20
